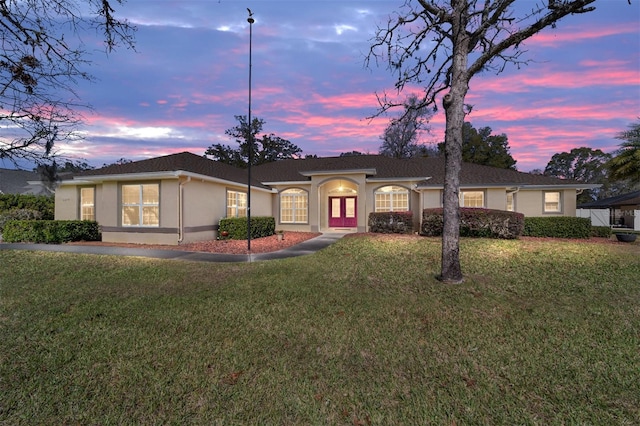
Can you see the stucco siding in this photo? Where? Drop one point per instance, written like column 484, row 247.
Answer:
column 169, row 203
column 261, row 203
column 531, row 203
column 496, row 198
column 131, row 236
column 431, row 199
column 203, row 203
column 66, row 203
column 108, row 205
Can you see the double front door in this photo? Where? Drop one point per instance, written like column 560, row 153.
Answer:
column 343, row 212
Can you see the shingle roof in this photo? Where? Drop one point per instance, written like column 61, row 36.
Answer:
column 300, row 169
column 629, row 199
column 17, row 182
column 413, row 168
column 184, row 161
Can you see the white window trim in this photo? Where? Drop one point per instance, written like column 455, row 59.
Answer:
column 513, row 202
column 295, row 195
column 484, row 198
column 237, row 205
column 544, row 202
column 393, row 195
column 93, row 202
column 141, row 206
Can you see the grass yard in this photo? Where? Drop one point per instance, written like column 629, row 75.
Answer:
column 541, row 332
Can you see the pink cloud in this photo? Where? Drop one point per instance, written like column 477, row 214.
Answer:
column 573, row 34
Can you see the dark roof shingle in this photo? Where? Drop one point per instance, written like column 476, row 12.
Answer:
column 184, row 161
column 413, row 168
column 299, row 169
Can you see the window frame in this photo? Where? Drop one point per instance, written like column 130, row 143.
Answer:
column 234, row 210
column 513, row 202
column 300, row 193
column 545, row 202
column 393, row 195
column 140, row 204
column 461, row 198
column 82, row 205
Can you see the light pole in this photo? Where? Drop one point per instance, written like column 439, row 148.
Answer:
column 250, row 20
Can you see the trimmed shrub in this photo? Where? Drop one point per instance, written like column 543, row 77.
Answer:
column 601, row 231
column 391, row 222
column 476, row 223
column 42, row 203
column 557, row 227
column 18, row 214
column 50, row 231
column 261, row 226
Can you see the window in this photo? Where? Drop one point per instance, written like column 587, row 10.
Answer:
column 236, row 204
column 552, row 202
column 392, row 199
column 141, row 205
column 471, row 198
column 510, row 201
column 87, row 204
column 294, row 206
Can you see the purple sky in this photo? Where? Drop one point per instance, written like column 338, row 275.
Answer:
column 189, row 77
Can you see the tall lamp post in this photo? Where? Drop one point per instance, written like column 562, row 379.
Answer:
column 250, row 20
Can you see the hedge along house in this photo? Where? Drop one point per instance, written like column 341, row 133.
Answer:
column 181, row 197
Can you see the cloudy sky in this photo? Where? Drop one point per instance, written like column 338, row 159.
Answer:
column 189, row 76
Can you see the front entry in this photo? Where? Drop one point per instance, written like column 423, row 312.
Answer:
column 343, row 212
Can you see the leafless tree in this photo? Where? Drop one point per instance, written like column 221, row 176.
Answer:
column 440, row 45
column 41, row 60
column 401, row 137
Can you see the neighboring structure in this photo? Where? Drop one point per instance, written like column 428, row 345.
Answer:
column 181, row 197
column 621, row 211
column 22, row 182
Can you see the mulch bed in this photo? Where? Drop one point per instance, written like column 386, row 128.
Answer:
column 258, row 245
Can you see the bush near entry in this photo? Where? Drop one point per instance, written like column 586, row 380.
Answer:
column 391, row 222
column 236, row 227
column 474, row 222
column 557, row 227
column 50, row 231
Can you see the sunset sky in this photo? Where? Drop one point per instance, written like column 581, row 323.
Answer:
column 189, row 76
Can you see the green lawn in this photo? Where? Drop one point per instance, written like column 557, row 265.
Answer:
column 360, row 333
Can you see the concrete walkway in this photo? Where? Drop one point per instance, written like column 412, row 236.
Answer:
column 306, row 247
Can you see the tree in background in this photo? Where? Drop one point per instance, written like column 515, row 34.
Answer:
column 401, row 137
column 265, row 149
column 41, row 59
column 585, row 165
column 625, row 165
column 351, row 154
column 440, row 45
column 481, row 147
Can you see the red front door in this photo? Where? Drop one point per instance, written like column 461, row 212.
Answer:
column 343, row 212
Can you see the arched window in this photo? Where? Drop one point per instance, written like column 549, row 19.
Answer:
column 294, row 206
column 392, row 198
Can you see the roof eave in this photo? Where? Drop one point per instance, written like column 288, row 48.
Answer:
column 128, row 177
column 287, row 182
column 400, row 179
column 310, row 173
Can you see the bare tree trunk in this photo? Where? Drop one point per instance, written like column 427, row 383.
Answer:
column 453, row 103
